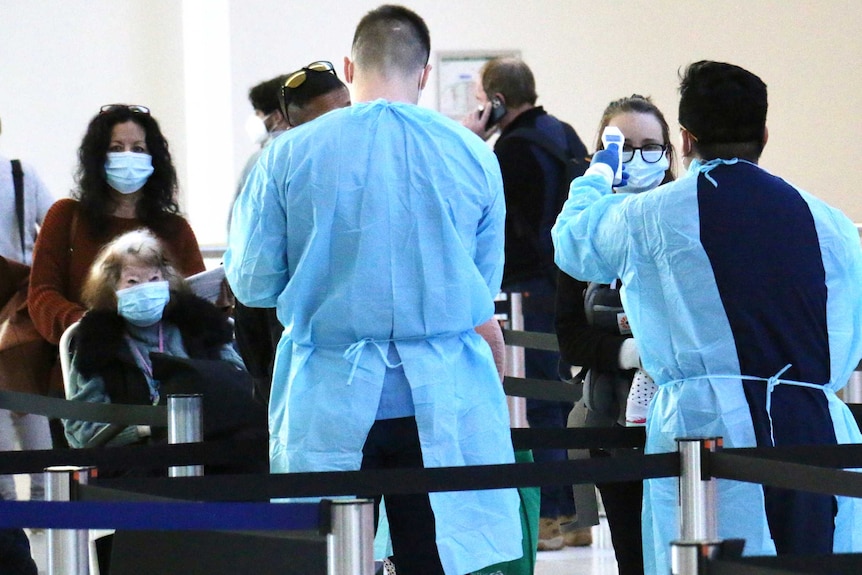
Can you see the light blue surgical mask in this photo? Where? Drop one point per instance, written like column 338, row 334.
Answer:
column 143, row 304
column 644, row 176
column 127, row 172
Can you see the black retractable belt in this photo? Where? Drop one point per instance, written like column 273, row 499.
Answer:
column 18, row 181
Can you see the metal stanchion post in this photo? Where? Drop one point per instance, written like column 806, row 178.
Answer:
column 350, row 543
column 698, row 534
column 853, row 390
column 515, row 362
column 68, row 549
column 697, row 494
column 185, row 425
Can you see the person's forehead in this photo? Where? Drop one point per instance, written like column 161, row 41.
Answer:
column 638, row 126
column 127, row 130
column 137, row 267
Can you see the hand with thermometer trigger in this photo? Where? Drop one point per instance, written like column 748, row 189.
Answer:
column 613, row 135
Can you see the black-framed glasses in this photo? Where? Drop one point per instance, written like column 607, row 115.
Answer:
column 135, row 108
column 297, row 79
column 651, row 153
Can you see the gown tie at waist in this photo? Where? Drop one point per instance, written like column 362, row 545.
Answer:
column 354, row 353
column 771, row 383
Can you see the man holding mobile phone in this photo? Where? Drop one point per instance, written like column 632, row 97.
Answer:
column 534, row 150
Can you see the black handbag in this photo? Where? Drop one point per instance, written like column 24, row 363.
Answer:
column 228, row 404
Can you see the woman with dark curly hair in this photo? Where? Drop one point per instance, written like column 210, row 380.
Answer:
column 126, row 180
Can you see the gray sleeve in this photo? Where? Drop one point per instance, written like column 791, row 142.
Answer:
column 36, row 189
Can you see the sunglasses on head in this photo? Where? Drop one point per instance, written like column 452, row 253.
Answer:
column 130, row 107
column 297, row 79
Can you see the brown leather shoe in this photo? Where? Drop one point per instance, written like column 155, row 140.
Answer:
column 580, row 537
column 550, row 538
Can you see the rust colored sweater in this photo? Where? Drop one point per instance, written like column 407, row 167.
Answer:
column 62, row 258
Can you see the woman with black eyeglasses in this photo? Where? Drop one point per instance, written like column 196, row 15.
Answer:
column 593, row 332
column 126, row 180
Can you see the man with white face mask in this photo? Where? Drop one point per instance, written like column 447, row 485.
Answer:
column 298, row 97
column 312, row 87
column 744, row 294
column 264, row 124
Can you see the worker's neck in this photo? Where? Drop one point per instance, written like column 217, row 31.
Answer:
column 369, row 87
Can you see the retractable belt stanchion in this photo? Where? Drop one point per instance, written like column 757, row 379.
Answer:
column 697, row 519
column 68, row 549
column 515, row 362
column 853, row 390
column 350, row 537
column 185, row 425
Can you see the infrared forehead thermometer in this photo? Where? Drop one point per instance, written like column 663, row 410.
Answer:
column 613, row 135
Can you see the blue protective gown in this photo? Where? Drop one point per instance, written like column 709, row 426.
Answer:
column 379, row 223
column 726, row 273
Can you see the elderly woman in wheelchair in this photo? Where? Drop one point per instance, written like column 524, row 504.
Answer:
column 139, row 308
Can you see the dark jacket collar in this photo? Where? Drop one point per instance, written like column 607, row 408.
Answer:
column 525, row 118
column 204, row 329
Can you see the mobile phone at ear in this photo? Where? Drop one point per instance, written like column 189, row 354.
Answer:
column 498, row 110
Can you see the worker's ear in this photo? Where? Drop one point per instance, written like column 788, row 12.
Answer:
column 348, row 70
column 686, row 143
column 426, row 71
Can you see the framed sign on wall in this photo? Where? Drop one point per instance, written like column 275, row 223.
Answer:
column 457, row 73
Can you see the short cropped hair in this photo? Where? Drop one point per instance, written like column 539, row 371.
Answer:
column 510, row 77
column 264, row 96
column 138, row 247
column 724, row 107
column 392, row 39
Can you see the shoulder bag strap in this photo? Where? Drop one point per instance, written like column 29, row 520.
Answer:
column 18, row 180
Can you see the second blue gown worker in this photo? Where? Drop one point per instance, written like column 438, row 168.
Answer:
column 745, row 296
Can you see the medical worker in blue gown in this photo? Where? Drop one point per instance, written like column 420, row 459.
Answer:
column 745, row 296
column 377, row 231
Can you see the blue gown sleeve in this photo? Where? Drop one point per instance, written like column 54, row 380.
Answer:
column 589, row 236
column 490, row 234
column 256, row 259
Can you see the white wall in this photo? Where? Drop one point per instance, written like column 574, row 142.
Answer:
column 192, row 62
column 60, row 60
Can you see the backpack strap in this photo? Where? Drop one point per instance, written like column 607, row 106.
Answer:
column 518, row 221
column 18, row 180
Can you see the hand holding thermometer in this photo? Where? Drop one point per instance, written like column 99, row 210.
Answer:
column 613, row 135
